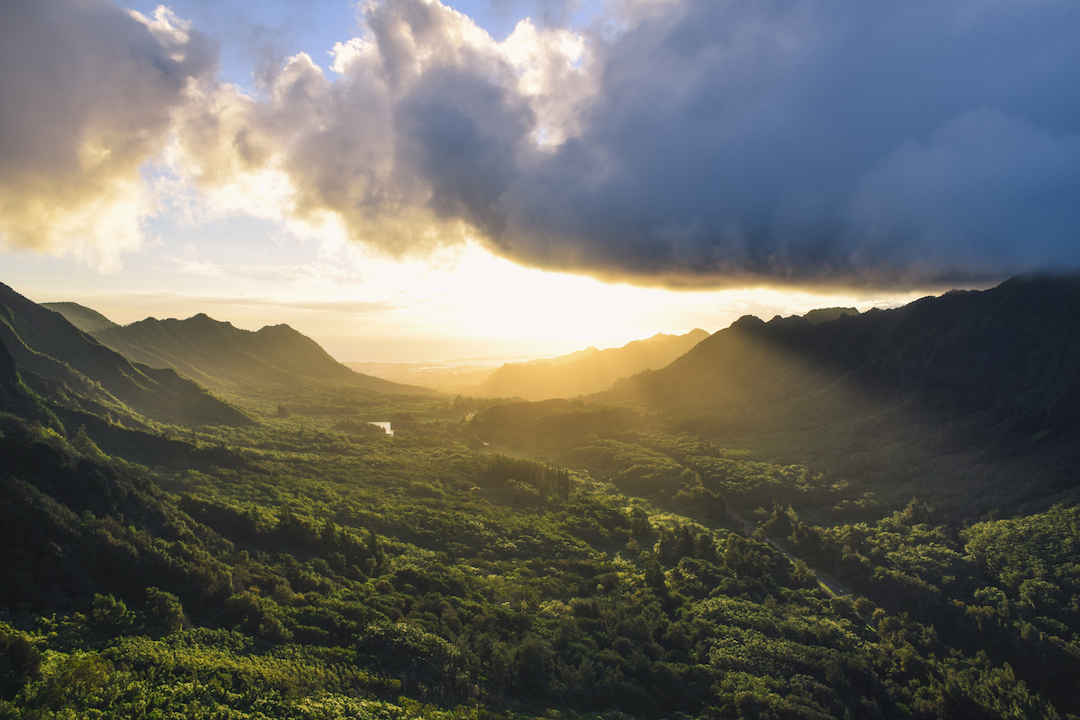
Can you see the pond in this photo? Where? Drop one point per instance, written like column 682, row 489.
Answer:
column 385, row 426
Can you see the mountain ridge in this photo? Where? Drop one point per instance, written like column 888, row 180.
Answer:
column 585, row 371
column 1010, row 353
column 86, row 319
column 217, row 354
column 56, row 359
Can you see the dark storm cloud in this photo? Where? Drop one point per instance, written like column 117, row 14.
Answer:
column 773, row 141
column 461, row 132
column 686, row 142
column 819, row 142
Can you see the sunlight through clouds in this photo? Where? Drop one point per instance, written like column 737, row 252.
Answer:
column 564, row 170
column 88, row 94
column 681, row 143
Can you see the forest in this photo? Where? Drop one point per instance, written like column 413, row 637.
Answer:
column 500, row 558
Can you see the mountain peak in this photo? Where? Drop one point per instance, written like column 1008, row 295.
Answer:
column 48, row 348
column 749, row 322
column 218, row 354
column 87, row 320
column 279, row 329
column 1005, row 354
column 829, row 314
column 204, row 319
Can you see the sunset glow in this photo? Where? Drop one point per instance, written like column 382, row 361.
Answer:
column 462, row 303
column 409, row 179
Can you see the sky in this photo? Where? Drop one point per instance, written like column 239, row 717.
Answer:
column 411, row 180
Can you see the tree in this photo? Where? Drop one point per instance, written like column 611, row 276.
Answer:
column 164, row 613
column 20, row 661
column 111, row 614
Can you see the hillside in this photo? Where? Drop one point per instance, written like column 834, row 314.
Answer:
column 221, row 356
column 1011, row 353
column 9, row 372
column 60, row 362
column 612, row 563
column 305, row 578
column 448, row 376
column 969, row 378
column 585, row 371
column 87, row 320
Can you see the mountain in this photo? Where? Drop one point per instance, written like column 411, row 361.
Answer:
column 994, row 366
column 585, row 371
column 829, row 314
column 221, row 356
column 376, row 569
column 9, row 372
column 448, row 376
column 87, row 320
column 60, row 362
column 13, row 394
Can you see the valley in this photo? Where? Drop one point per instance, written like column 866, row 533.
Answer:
column 539, row 360
column 199, row 521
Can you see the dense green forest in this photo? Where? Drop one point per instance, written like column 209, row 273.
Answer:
column 498, row 559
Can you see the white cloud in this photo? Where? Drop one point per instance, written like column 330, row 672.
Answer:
column 88, row 93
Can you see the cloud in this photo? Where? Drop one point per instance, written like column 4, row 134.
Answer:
column 413, row 147
column 88, row 90
column 818, row 142
column 343, row 306
column 985, row 189
column 544, row 13
column 683, row 142
column 353, row 307
column 311, row 273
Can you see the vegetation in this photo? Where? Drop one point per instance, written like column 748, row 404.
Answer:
column 507, row 560
column 333, row 576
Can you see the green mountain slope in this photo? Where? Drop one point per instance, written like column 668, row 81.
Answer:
column 9, row 372
column 82, row 317
column 586, row 371
column 922, row 394
column 219, row 355
column 306, row 578
column 1011, row 353
column 288, row 570
column 60, row 362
